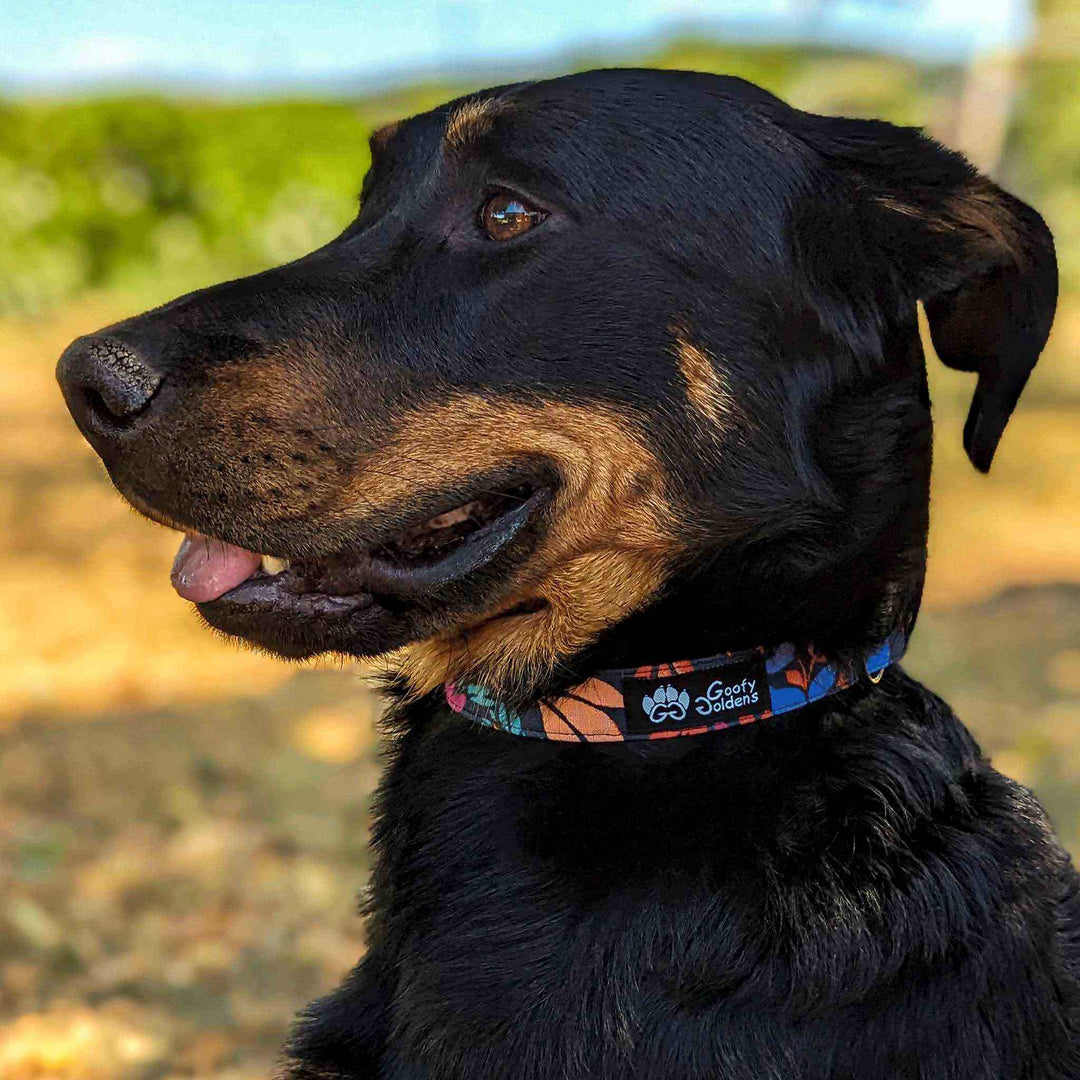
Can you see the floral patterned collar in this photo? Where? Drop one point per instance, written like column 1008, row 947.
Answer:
column 684, row 697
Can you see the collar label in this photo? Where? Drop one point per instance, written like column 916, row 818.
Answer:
column 718, row 697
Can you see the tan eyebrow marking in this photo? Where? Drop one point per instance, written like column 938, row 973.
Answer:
column 381, row 136
column 469, row 121
column 705, row 388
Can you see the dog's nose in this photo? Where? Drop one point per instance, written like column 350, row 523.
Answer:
column 105, row 382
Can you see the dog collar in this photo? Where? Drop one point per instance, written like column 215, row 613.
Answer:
column 684, row 697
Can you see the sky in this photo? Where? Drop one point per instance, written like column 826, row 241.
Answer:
column 57, row 44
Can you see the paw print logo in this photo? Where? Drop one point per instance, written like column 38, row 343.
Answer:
column 666, row 703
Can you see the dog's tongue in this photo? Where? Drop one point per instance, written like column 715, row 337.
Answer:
column 204, row 569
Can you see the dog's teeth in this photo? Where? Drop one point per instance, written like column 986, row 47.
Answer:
column 271, row 564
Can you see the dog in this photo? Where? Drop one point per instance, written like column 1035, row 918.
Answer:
column 606, row 423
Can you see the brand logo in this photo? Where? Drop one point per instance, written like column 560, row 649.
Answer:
column 666, row 703
column 683, row 701
column 721, row 696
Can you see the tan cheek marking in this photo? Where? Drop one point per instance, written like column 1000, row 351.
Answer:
column 584, row 598
column 277, row 387
column 704, row 385
column 606, row 553
column 273, row 411
column 469, row 121
column 381, row 136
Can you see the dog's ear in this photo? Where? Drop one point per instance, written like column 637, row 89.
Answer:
column 981, row 260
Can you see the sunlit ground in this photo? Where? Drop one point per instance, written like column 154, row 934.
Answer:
column 183, row 824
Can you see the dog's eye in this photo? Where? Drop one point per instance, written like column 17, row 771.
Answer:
column 505, row 216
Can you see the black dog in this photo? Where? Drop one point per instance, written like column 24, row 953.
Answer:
column 613, row 373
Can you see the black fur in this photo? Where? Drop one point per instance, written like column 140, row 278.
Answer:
column 846, row 893
column 850, row 891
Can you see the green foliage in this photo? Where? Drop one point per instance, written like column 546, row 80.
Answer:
column 154, row 196
column 99, row 193
column 1046, row 148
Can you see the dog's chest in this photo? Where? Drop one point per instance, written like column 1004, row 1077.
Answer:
column 583, row 916
column 561, row 915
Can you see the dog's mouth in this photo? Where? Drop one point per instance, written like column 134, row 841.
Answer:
column 237, row 588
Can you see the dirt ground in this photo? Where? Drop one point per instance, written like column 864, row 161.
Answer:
column 183, row 825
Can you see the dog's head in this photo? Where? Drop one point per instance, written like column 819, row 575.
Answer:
column 630, row 349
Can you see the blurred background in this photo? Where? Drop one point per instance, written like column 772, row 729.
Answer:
column 183, row 825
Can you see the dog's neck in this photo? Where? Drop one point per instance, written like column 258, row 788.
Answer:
column 728, row 605
column 715, row 652
column 680, row 697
